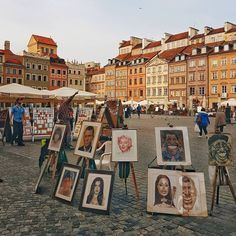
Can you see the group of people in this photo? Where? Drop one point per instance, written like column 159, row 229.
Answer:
column 222, row 118
column 129, row 110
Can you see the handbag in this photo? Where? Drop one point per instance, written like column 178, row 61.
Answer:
column 196, row 128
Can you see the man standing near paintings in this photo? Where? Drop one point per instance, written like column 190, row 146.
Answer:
column 64, row 117
column 17, row 116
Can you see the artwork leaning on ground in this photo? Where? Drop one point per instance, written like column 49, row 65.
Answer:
column 67, row 182
column 88, row 138
column 172, row 146
column 57, row 137
column 220, row 147
column 97, row 191
column 124, row 145
column 176, row 192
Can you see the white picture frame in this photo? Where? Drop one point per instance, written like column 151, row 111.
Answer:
column 57, row 137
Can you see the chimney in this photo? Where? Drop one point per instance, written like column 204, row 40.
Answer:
column 7, row 45
column 228, row 26
column 207, row 29
column 192, row 32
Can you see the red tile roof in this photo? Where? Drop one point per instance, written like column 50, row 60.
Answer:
column 150, row 55
column 216, row 31
column 231, row 30
column 139, row 45
column 176, row 37
column 44, row 40
column 153, row 44
column 197, row 36
column 92, row 71
column 7, row 51
column 100, row 71
column 188, row 49
column 215, row 44
column 124, row 43
column 14, row 61
column 170, row 54
column 123, row 57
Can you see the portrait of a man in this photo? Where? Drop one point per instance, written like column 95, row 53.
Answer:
column 88, row 138
column 172, row 146
column 220, row 150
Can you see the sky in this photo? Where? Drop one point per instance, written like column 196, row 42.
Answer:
column 91, row 30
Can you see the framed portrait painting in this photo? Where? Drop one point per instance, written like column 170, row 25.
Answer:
column 124, row 145
column 176, row 192
column 220, row 150
column 67, row 182
column 97, row 191
column 172, row 146
column 57, row 137
column 101, row 114
column 88, row 138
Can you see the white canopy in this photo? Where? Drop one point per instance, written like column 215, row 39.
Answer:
column 231, row 102
column 145, row 103
column 67, row 92
column 130, row 102
column 14, row 90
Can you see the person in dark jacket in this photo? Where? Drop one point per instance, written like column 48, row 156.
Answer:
column 220, row 120
column 203, row 121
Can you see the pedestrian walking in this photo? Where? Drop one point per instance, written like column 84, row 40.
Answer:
column 220, row 120
column 203, row 121
column 64, row 117
column 139, row 108
column 17, row 117
column 228, row 114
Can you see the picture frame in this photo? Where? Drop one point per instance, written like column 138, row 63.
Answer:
column 88, row 138
column 220, row 150
column 67, row 182
column 172, row 146
column 99, row 202
column 101, row 114
column 124, row 145
column 57, row 137
column 176, row 192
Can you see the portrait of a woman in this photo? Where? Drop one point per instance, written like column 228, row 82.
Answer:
column 124, row 143
column 67, row 183
column 95, row 196
column 163, row 192
column 56, row 139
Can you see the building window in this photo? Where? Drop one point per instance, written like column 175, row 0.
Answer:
column 78, row 72
column 223, row 74
column 224, row 89
column 53, row 83
column 224, row 62
column 19, row 81
column 47, row 50
column 192, row 91
column 233, row 60
column 14, row 80
column 53, row 71
column 27, row 76
column 135, row 81
column 233, row 88
column 202, row 62
column 58, row 72
column 1, row 80
column 51, row 51
column 130, row 71
column 177, row 80
column 214, row 89
column 8, row 80
column 192, row 76
column 42, row 49
column 39, row 77
column 69, row 71
column 70, row 81
column 135, row 71
column 233, row 74
column 171, row 80
column 39, row 67
column 64, row 72
column 202, row 91
column 165, row 91
column 80, row 83
column 20, row 72
column 159, row 91
column 192, row 64
column 140, row 80
column 45, row 78
column 148, row 92
column 130, row 82
column 140, row 70
column 33, row 66
column 27, row 65
column 214, row 75
column 45, row 67
column 8, row 71
column 34, row 77
column 201, row 76
column 64, row 83
column 214, row 63
column 76, row 82
column 58, row 83
column 14, row 71
column 154, row 92
column 130, row 93
column 141, row 93
column 159, row 80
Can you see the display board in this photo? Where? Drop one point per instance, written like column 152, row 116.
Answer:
column 43, row 121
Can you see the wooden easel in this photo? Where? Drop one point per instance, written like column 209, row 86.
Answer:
column 221, row 173
column 133, row 178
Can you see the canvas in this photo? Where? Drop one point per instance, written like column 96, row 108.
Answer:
column 67, row 182
column 97, row 191
column 172, row 146
column 176, row 192
column 124, row 145
column 57, row 137
column 88, row 138
column 220, row 148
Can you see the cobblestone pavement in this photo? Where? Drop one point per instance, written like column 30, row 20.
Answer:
column 25, row 213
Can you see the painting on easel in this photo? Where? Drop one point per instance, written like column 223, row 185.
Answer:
column 57, row 137
column 176, row 192
column 172, row 146
column 124, row 145
column 220, row 150
column 88, row 138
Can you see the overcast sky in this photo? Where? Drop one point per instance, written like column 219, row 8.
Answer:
column 90, row 30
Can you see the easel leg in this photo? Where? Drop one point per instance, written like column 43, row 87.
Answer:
column 126, row 190
column 54, row 169
column 115, row 167
column 134, row 180
column 217, row 194
column 214, row 189
column 229, row 183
